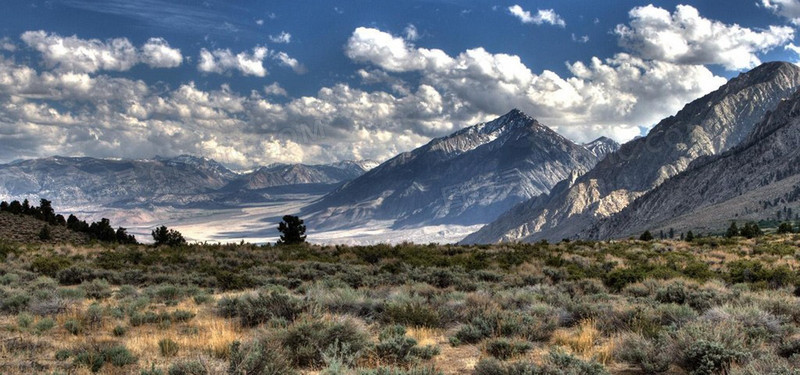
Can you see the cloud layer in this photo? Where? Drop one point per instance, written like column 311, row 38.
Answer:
column 70, row 105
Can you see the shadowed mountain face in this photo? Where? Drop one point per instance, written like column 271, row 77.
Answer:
column 707, row 126
column 752, row 181
column 468, row 177
column 180, row 181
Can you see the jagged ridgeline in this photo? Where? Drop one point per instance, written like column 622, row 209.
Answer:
column 710, row 125
column 468, row 177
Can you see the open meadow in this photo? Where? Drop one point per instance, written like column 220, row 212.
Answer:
column 710, row 306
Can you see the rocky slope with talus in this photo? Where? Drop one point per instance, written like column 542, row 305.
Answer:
column 752, row 181
column 707, row 126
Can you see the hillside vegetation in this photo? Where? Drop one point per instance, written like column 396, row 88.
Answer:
column 704, row 307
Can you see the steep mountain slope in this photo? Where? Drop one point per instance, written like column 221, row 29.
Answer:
column 749, row 182
column 468, row 177
column 71, row 182
column 707, row 126
column 296, row 174
column 179, row 181
column 602, row 146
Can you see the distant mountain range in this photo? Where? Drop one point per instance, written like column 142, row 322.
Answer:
column 468, row 177
column 710, row 125
column 733, row 154
column 183, row 181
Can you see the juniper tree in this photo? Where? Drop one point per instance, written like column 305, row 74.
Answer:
column 292, row 230
column 733, row 230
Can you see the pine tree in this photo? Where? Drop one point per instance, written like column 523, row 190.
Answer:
column 785, row 228
column 15, row 208
column 44, row 234
column 646, row 236
column 26, row 207
column 123, row 237
column 46, row 211
column 689, row 236
column 671, row 233
column 292, row 230
column 733, row 231
column 168, row 237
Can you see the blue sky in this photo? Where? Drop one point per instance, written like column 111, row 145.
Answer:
column 251, row 83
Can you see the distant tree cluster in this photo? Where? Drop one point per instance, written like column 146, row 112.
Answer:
column 749, row 230
column 167, row 237
column 787, row 227
column 100, row 230
column 44, row 212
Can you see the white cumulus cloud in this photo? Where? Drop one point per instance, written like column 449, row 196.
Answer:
column 90, row 55
column 789, row 9
column 612, row 97
column 685, row 37
column 223, row 60
column 158, row 54
column 542, row 16
column 283, row 37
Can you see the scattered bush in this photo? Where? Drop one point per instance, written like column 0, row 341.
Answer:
column 305, row 340
column 504, row 349
column 168, row 348
column 188, row 368
column 259, row 356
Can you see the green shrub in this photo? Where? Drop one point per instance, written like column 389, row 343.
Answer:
column 305, row 341
column 24, row 320
column 708, row 357
column 152, row 370
column 393, row 345
column 50, row 265
column 94, row 315
column 97, row 289
column 651, row 356
column 73, row 326
column 182, row 315
column 504, row 349
column 412, row 314
column 63, row 354
column 418, row 370
column 168, row 348
column 188, row 368
column 228, row 307
column 257, row 309
column 119, row 331
column 44, row 325
column 259, row 356
column 96, row 357
column 14, row 303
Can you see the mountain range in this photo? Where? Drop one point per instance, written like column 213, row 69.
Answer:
column 733, row 154
column 755, row 180
column 182, row 181
column 709, row 125
column 466, row 178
